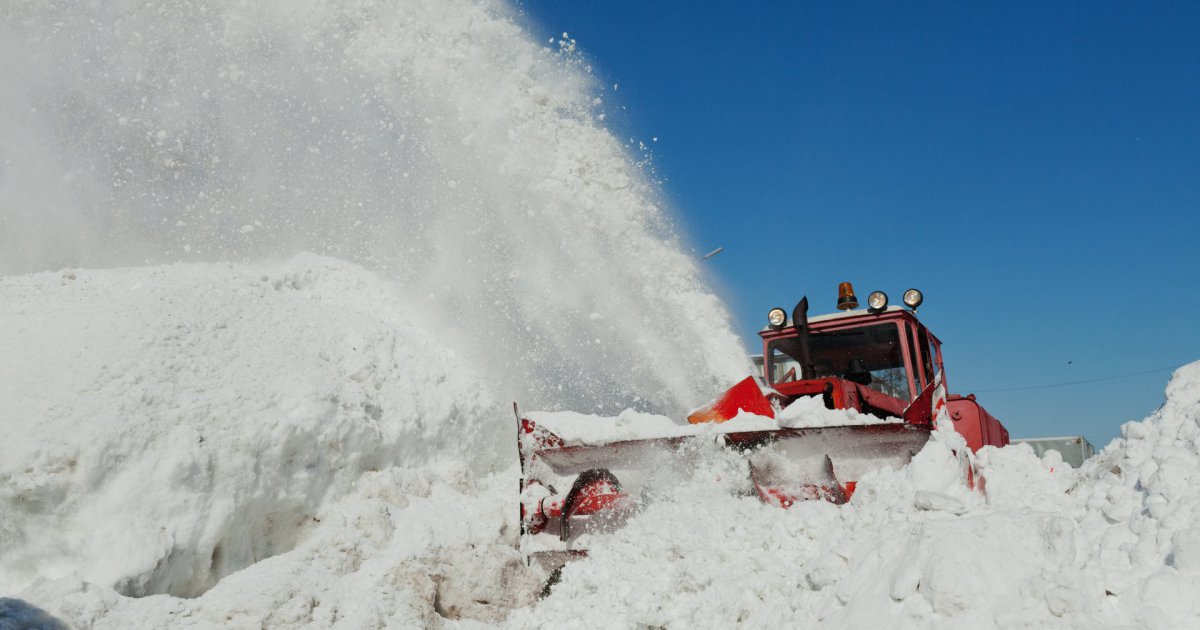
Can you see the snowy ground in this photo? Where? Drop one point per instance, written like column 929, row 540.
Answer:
column 278, row 445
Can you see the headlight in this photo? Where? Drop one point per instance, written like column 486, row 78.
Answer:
column 913, row 298
column 777, row 317
column 877, row 300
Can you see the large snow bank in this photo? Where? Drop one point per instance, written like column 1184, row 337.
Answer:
column 1140, row 500
column 283, row 432
column 1112, row 545
column 165, row 426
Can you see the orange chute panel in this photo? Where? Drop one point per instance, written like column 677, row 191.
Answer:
column 745, row 396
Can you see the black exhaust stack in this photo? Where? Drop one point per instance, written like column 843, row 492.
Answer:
column 800, row 321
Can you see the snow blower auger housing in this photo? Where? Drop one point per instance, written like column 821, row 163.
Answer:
column 880, row 366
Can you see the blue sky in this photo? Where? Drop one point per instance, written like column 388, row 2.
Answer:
column 1034, row 168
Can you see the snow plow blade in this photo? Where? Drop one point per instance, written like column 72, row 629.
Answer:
column 571, row 488
column 582, row 474
column 824, row 463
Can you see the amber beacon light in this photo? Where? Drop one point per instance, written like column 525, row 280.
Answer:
column 846, row 299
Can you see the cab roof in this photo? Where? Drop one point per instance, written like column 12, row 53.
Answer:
column 854, row 313
column 892, row 312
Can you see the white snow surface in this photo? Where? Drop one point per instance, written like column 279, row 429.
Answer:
column 589, row 429
column 1112, row 545
column 811, row 412
column 202, row 445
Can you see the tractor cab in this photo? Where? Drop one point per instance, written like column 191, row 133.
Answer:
column 876, row 360
column 880, row 360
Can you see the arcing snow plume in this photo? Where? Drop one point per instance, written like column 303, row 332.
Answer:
column 428, row 140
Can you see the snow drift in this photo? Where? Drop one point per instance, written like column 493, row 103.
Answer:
column 1112, row 545
column 213, row 408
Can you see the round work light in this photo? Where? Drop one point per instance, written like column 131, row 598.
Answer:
column 913, row 298
column 777, row 317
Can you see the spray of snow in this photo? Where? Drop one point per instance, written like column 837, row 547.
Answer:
column 480, row 237
column 430, row 141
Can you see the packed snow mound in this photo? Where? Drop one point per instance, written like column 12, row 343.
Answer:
column 1141, row 500
column 811, row 412
column 406, row 548
column 166, row 426
column 1113, row 545
column 575, row 428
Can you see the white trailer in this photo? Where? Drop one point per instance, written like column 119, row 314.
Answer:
column 1075, row 449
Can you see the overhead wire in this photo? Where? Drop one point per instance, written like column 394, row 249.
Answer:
column 1082, row 382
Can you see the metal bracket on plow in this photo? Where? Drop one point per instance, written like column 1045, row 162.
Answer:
column 830, row 489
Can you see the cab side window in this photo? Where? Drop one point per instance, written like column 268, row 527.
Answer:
column 913, row 350
column 930, row 354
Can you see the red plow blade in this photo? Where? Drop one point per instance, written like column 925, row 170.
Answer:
column 575, row 480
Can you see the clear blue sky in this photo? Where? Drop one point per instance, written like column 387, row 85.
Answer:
column 1033, row 167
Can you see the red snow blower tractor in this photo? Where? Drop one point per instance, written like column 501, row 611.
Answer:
column 839, row 395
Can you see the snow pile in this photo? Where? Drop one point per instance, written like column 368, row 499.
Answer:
column 227, row 445
column 1141, row 498
column 164, row 427
column 403, row 549
column 1112, row 545
column 810, row 412
column 589, row 429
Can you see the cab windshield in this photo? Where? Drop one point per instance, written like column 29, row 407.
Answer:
column 869, row 355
